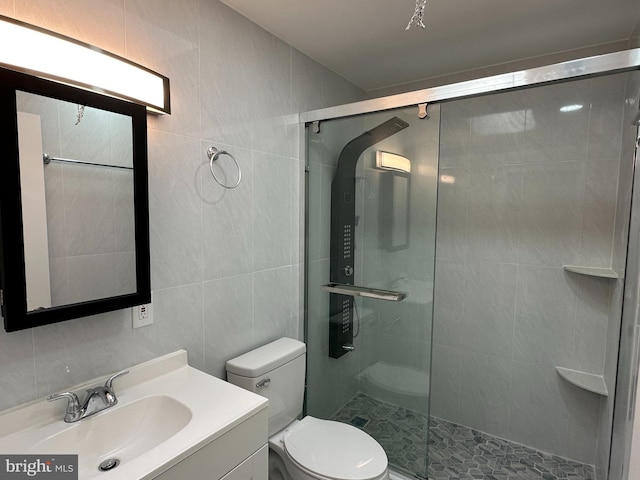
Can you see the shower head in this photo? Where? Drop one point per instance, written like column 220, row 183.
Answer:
column 352, row 150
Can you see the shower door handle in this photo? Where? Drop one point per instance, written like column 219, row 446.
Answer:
column 354, row 291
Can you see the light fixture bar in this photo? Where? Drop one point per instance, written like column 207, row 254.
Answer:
column 49, row 55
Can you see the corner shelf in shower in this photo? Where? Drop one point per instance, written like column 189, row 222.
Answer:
column 591, row 271
column 584, row 380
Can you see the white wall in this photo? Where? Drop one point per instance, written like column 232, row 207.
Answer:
column 225, row 265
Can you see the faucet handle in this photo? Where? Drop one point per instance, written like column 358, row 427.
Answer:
column 73, row 405
column 109, row 383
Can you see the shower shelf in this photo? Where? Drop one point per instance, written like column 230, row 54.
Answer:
column 586, row 381
column 591, row 271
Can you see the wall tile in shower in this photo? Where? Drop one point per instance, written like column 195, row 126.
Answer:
column 583, row 409
column 497, row 128
column 453, row 195
column 552, row 205
column 448, row 307
column 591, row 324
column 445, row 382
column 489, row 304
column 538, row 411
column 494, row 223
column 599, row 212
column 607, row 102
column 553, row 134
column 545, row 313
column 455, row 136
column 485, row 392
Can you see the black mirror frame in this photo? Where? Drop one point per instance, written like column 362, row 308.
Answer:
column 12, row 262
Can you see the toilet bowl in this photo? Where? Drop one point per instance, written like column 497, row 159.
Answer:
column 310, row 448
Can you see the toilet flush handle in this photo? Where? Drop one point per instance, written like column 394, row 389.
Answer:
column 263, row 383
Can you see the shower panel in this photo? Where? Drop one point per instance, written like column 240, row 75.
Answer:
column 343, row 225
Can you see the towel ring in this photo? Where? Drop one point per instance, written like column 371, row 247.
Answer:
column 213, row 153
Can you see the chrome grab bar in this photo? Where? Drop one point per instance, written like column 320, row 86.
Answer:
column 354, row 291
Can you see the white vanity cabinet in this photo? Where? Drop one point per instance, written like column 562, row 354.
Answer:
column 239, row 454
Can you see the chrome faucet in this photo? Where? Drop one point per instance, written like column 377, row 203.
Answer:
column 97, row 399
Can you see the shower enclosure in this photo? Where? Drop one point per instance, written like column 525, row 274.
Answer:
column 372, row 237
column 490, row 345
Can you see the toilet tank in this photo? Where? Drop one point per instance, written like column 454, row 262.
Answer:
column 275, row 371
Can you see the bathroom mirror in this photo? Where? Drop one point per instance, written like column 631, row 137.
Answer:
column 394, row 210
column 73, row 202
column 395, row 182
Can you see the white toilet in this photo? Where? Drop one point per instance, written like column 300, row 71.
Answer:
column 307, row 449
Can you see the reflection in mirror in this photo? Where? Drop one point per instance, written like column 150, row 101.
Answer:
column 394, row 198
column 400, row 224
column 76, row 167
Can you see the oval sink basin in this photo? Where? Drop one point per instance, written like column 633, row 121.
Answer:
column 123, row 432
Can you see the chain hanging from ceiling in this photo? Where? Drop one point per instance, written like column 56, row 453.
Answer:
column 418, row 15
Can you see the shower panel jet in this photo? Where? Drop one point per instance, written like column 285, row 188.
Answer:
column 343, row 220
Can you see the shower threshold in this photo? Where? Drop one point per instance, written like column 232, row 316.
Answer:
column 455, row 451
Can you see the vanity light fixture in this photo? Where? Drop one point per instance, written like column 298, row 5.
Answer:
column 36, row 51
column 392, row 161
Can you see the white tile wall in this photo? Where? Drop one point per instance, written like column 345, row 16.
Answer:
column 225, row 265
column 524, row 189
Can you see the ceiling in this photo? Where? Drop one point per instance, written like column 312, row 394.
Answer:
column 365, row 40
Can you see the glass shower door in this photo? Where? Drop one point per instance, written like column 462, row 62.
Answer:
column 371, row 199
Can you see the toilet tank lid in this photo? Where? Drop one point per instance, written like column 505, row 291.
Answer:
column 266, row 358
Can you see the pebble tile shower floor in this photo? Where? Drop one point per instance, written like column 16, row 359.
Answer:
column 455, row 452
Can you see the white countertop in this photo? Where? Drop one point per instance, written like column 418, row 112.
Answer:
column 216, row 407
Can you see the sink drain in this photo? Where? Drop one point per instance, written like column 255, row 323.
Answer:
column 108, row 464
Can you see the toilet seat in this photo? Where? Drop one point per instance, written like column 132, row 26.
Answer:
column 334, row 450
